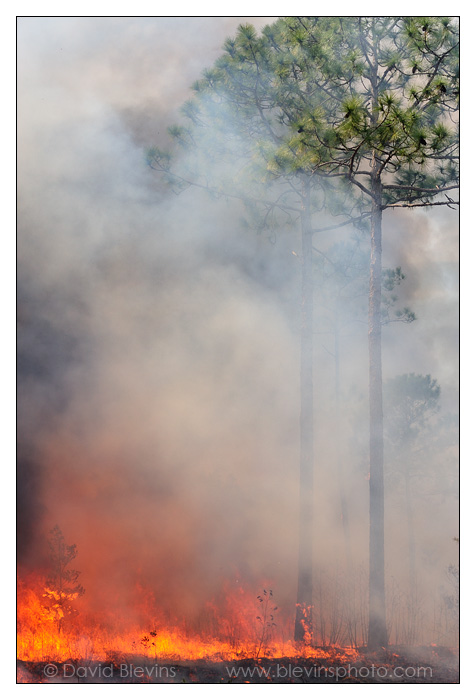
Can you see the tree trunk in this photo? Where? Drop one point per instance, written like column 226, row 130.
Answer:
column 349, row 587
column 412, row 579
column 377, row 617
column 411, row 533
column 303, row 623
column 338, row 445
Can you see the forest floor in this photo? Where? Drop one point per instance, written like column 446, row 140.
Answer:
column 394, row 665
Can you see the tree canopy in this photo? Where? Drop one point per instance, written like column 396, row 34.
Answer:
column 324, row 96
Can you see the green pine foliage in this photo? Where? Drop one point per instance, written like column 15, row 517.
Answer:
column 323, row 96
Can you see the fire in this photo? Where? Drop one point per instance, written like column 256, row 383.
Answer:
column 239, row 625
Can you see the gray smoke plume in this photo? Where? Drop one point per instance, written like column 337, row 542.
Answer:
column 158, row 346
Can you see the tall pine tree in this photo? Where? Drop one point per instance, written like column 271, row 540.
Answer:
column 340, row 116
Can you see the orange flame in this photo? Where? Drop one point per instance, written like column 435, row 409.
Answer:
column 240, row 625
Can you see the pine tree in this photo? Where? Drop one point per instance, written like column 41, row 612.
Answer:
column 62, row 587
column 389, row 89
column 346, row 117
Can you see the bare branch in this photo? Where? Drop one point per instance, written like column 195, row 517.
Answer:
column 353, row 220
column 221, row 193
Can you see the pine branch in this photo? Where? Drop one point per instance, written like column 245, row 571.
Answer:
column 361, row 186
column 420, row 204
column 208, row 188
column 412, row 188
column 353, row 220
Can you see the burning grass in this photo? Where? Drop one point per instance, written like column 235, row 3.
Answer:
column 238, row 632
column 242, row 644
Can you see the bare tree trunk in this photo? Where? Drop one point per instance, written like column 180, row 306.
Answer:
column 338, row 445
column 349, row 588
column 412, row 579
column 411, row 534
column 303, row 623
column 377, row 616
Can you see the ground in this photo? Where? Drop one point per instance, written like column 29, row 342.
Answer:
column 394, row 665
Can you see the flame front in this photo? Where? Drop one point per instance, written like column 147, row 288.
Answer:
column 240, row 626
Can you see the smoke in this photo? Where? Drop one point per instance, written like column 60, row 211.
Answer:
column 158, row 400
